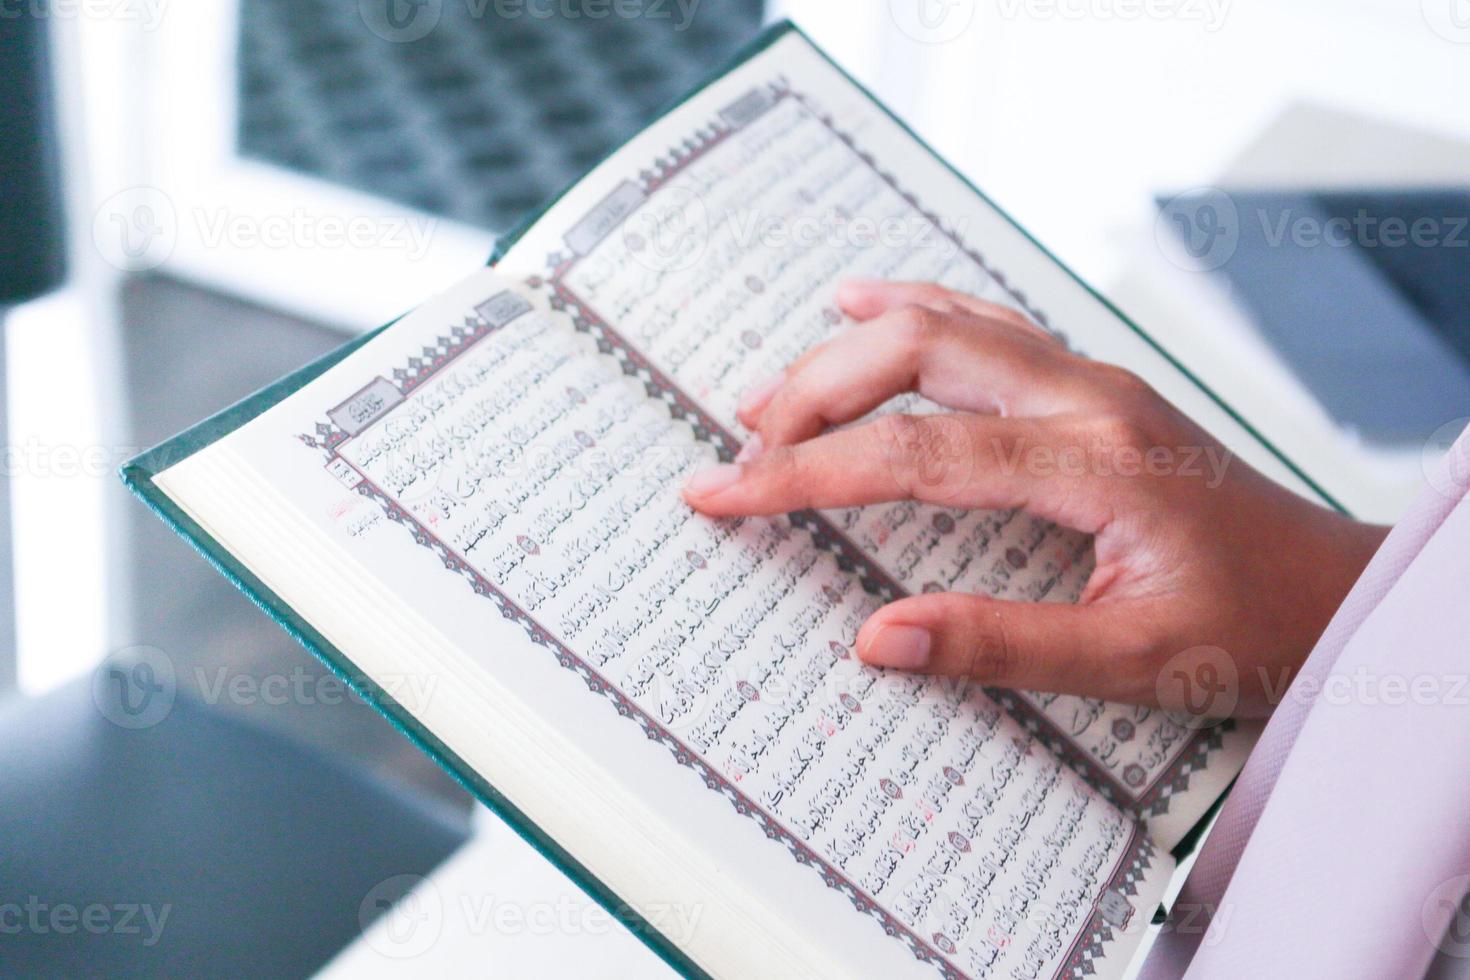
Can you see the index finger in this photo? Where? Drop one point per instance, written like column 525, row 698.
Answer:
column 973, row 461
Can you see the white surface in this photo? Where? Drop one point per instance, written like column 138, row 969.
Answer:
column 1073, row 117
column 495, row 909
column 61, row 467
column 447, row 924
column 66, row 411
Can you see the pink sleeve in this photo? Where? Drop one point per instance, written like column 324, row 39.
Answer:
column 1344, row 849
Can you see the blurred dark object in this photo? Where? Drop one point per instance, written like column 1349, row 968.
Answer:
column 1366, row 295
column 477, row 110
column 32, row 231
column 32, row 242
column 198, row 846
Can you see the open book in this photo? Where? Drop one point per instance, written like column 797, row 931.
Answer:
column 474, row 515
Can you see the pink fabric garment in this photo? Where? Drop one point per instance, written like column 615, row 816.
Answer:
column 1340, row 850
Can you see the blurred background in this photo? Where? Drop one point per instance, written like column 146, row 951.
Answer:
column 201, row 196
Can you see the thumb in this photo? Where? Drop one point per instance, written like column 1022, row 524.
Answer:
column 1057, row 647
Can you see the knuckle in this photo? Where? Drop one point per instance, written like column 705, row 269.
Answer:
column 798, row 367
column 789, row 475
column 1117, row 432
column 994, row 657
column 1008, row 320
column 894, row 436
column 931, row 293
column 919, row 326
column 905, row 438
column 1006, row 314
column 782, row 468
column 793, row 397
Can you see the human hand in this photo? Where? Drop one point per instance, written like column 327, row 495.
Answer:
column 1209, row 555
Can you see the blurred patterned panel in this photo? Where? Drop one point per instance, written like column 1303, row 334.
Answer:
column 478, row 110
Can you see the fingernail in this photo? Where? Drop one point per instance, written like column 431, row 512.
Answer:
column 713, row 480
column 900, row 647
column 758, row 396
column 752, row 449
